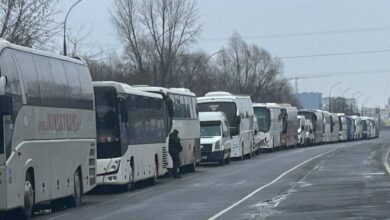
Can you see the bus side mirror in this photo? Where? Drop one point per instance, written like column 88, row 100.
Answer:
column 3, row 84
column 255, row 132
column 5, row 105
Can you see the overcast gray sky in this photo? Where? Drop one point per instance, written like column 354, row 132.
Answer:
column 287, row 29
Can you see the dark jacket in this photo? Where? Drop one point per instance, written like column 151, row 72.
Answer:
column 174, row 144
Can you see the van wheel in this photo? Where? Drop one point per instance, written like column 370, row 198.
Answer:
column 29, row 196
column 75, row 200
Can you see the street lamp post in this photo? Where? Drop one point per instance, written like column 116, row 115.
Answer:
column 357, row 102
column 330, row 91
column 66, row 18
column 342, row 96
column 364, row 101
column 353, row 98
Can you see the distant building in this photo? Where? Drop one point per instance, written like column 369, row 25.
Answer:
column 351, row 105
column 310, row 100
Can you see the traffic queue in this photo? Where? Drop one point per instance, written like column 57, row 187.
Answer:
column 62, row 134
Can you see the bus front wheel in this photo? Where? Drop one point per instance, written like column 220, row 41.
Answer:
column 29, row 196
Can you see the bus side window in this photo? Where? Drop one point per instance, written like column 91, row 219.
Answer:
column 8, row 69
column 30, row 78
column 86, row 88
column 60, row 82
column 46, row 81
column 73, row 84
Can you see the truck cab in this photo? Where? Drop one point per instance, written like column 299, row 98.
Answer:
column 215, row 137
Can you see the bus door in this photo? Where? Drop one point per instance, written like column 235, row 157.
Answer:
column 5, row 127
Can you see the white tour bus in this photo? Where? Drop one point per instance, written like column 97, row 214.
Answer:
column 131, row 134
column 328, row 127
column 239, row 111
column 334, row 127
column 47, row 131
column 343, row 130
column 269, row 125
column 317, row 120
column 292, row 125
column 303, row 131
column 180, row 104
column 358, row 134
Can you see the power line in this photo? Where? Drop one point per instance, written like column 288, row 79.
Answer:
column 331, row 74
column 336, row 54
column 302, row 34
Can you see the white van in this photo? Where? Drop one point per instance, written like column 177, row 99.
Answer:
column 215, row 144
column 239, row 111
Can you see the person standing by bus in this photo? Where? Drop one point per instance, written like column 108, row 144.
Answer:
column 174, row 150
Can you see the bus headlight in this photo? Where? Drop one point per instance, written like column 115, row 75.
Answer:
column 114, row 167
column 217, row 145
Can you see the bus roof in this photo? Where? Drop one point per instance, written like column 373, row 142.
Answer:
column 165, row 91
column 259, row 105
column 212, row 116
column 221, row 97
column 124, row 88
column 5, row 44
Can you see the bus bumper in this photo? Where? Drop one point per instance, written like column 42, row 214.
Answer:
column 3, row 189
column 214, row 156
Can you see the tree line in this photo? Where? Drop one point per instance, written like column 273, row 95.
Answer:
column 157, row 36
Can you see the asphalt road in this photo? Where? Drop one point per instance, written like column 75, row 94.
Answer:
column 334, row 181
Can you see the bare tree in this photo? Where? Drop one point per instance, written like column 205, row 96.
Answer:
column 248, row 69
column 27, row 22
column 155, row 32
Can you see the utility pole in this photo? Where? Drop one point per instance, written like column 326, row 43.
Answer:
column 66, row 18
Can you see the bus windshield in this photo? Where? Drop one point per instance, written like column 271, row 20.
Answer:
column 263, row 118
column 229, row 108
column 210, row 129
column 107, row 121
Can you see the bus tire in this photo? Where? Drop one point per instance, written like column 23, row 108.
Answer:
column 154, row 178
column 75, row 200
column 131, row 185
column 222, row 162
column 29, row 196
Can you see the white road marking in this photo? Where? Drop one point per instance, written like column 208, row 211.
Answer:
column 219, row 214
column 137, row 193
column 59, row 216
column 385, row 161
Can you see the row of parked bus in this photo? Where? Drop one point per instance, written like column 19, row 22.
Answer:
column 62, row 134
